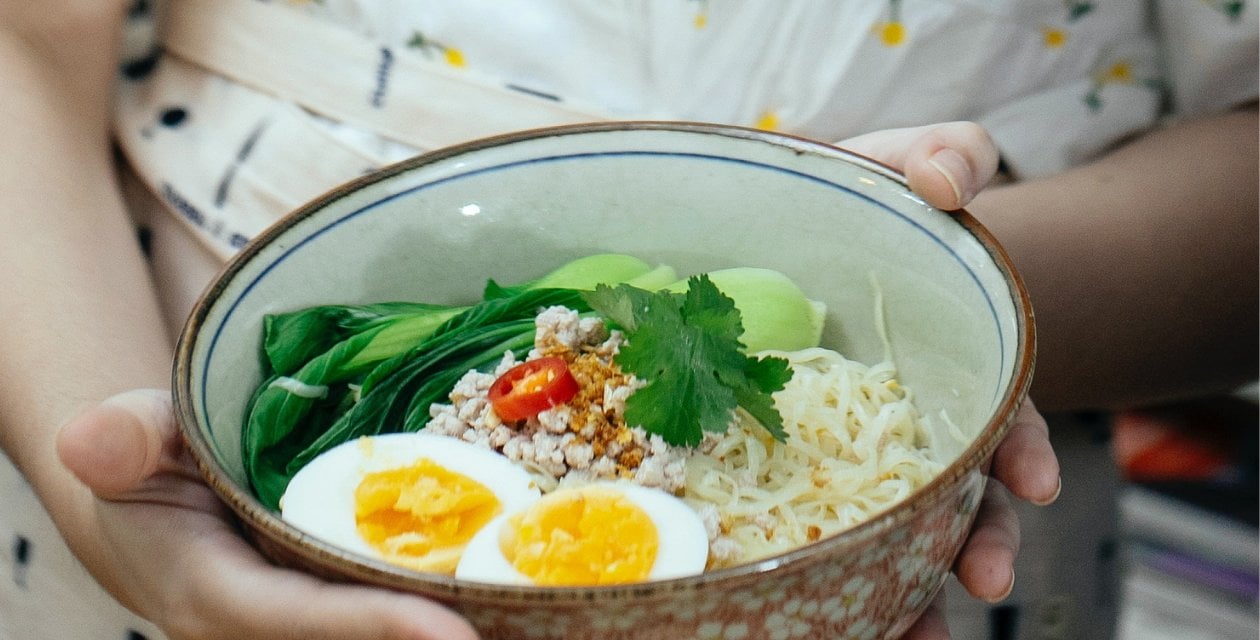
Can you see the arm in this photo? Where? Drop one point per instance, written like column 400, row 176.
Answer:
column 1141, row 265
column 81, row 320
column 81, row 323
column 1142, row 270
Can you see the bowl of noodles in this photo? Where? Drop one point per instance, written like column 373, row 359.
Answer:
column 622, row 380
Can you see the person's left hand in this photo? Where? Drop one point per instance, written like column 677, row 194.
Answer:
column 948, row 164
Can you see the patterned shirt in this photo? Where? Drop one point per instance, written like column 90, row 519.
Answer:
column 224, row 135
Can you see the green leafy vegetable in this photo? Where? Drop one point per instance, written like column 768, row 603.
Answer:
column 336, row 372
column 292, row 339
column 589, row 271
column 287, row 429
column 687, row 348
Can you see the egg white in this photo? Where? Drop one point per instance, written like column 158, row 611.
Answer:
column 683, row 548
column 320, row 498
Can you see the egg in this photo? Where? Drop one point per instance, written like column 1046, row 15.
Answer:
column 596, row 534
column 413, row 499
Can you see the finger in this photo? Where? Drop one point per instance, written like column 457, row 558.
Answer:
column 986, row 564
column 931, row 625
column 120, row 442
column 1025, row 461
column 947, row 164
column 243, row 597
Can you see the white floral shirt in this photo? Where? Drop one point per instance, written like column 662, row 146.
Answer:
column 1054, row 82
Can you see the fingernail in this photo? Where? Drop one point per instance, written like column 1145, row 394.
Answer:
column 1010, row 586
column 1057, row 490
column 956, row 171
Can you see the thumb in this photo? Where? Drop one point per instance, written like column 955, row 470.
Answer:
column 947, row 164
column 116, row 445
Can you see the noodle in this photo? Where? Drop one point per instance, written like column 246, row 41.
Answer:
column 855, row 446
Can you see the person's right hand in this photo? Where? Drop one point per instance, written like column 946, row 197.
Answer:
column 174, row 557
column 1025, row 467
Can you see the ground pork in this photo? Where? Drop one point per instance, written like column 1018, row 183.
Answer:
column 585, row 439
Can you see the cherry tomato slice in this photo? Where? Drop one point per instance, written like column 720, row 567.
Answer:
column 532, row 387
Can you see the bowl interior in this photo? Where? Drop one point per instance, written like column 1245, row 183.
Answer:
column 900, row 278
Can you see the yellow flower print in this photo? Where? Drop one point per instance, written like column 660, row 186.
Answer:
column 702, row 13
column 451, row 55
column 892, row 32
column 1053, row 37
column 768, row 121
column 1121, row 71
column 1118, row 72
column 454, row 57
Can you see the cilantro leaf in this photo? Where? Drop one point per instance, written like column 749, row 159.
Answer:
column 625, row 306
column 686, row 348
column 763, row 377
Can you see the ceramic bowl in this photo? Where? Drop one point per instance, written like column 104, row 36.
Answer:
column 696, row 197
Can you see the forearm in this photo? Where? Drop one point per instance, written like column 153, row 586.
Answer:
column 1142, row 266
column 79, row 317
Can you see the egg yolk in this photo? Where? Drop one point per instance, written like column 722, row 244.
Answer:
column 588, row 536
column 422, row 516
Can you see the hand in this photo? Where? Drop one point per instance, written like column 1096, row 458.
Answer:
column 1024, row 465
column 948, row 164
column 172, row 554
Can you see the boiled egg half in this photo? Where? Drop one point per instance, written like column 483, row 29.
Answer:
column 596, row 534
column 413, row 499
